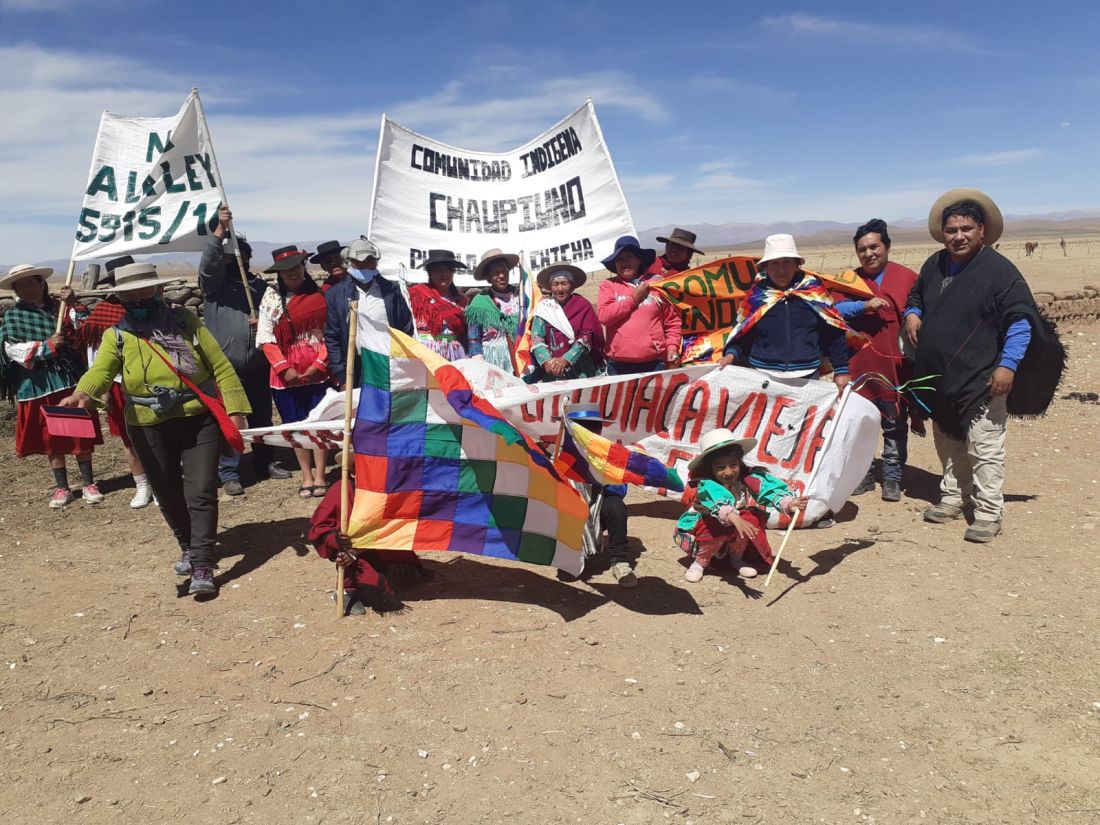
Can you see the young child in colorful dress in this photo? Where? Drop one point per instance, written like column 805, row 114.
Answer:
column 728, row 516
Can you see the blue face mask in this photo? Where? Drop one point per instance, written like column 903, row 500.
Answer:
column 364, row 276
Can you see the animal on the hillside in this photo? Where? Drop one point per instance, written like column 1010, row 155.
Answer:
column 1063, row 244
column 1030, row 247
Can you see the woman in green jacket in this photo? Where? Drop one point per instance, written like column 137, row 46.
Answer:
column 177, row 436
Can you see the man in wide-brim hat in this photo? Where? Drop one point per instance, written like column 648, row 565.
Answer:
column 330, row 257
column 679, row 247
column 990, row 354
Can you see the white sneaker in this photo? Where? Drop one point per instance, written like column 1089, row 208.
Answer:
column 142, row 496
column 747, row 572
column 695, row 572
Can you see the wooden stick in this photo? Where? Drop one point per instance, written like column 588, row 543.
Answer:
column 241, row 269
column 345, row 453
column 786, row 536
column 64, row 307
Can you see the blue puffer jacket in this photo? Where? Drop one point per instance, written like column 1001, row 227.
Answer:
column 790, row 337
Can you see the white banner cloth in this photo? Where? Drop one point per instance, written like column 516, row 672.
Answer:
column 153, row 186
column 556, row 198
column 802, row 430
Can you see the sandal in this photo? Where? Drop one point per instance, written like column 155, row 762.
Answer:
column 320, row 490
column 305, row 492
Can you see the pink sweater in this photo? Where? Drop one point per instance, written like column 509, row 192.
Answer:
column 636, row 334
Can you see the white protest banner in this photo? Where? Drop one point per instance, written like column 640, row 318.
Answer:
column 153, row 187
column 556, row 198
column 666, row 413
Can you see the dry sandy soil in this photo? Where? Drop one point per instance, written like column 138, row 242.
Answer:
column 891, row 673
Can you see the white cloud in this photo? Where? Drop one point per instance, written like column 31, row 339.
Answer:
column 830, row 31
column 1010, row 157
column 292, row 178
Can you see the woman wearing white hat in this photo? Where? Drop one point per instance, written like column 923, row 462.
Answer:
column 184, row 401
column 39, row 367
column 787, row 322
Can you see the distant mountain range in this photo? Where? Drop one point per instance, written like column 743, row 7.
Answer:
column 715, row 237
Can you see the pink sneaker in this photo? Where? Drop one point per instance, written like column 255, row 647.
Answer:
column 61, row 497
column 91, row 494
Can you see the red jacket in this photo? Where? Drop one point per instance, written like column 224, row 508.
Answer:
column 636, row 334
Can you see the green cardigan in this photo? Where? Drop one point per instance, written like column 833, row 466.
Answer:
column 140, row 367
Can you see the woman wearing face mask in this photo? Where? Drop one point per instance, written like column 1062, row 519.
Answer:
column 438, row 307
column 291, row 333
column 39, row 368
column 493, row 313
column 173, row 375
column 566, row 339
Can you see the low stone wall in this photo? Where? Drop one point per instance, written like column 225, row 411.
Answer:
column 175, row 295
column 1081, row 307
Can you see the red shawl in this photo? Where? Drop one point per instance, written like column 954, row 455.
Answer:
column 305, row 313
column 884, row 329
column 104, row 315
column 432, row 310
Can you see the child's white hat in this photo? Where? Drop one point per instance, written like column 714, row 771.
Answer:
column 716, row 440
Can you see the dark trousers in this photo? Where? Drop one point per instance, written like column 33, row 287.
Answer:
column 631, row 368
column 895, row 443
column 613, row 520
column 257, row 386
column 180, row 457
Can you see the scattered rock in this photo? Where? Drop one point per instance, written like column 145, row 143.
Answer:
column 218, row 781
column 80, row 800
column 693, row 776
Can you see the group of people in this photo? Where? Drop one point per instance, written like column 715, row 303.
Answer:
column 178, row 389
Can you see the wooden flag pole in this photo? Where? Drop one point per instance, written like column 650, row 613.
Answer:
column 225, row 203
column 64, row 306
column 345, row 508
column 843, row 399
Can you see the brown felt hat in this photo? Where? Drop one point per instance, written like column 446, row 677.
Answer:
column 576, row 275
column 994, row 221
column 681, row 237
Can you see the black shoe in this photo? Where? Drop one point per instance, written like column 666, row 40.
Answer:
column 276, row 470
column 233, row 488
column 891, row 490
column 865, row 486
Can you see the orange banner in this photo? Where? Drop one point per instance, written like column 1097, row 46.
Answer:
column 707, row 298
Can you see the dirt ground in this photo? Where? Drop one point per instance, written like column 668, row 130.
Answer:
column 891, row 673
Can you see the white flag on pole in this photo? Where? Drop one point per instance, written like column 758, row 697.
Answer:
column 153, row 187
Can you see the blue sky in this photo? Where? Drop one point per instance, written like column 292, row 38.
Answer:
column 714, row 112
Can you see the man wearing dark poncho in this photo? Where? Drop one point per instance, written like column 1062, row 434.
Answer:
column 978, row 332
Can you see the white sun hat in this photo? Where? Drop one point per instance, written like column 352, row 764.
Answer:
column 779, row 246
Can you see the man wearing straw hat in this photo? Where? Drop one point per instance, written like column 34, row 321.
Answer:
column 229, row 317
column 679, row 247
column 980, row 337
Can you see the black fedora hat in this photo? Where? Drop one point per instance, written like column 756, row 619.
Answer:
column 326, row 248
column 286, row 257
column 441, row 256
